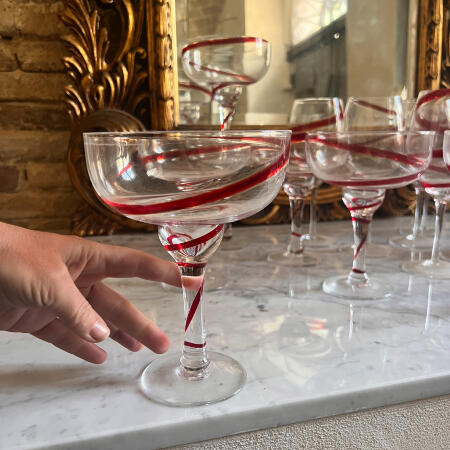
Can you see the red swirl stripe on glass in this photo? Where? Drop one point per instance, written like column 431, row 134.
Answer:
column 375, row 107
column 206, row 197
column 221, row 41
column 191, row 152
column 377, row 182
column 430, row 185
column 190, row 85
column 299, row 131
column 192, row 345
column 193, row 307
column 195, row 265
column 371, row 151
column 428, row 124
column 193, row 242
column 357, row 208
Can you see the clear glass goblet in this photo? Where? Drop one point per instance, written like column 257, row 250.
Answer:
column 225, row 65
column 307, row 114
column 365, row 164
column 416, row 239
column 432, row 112
column 375, row 114
column 189, row 183
column 311, row 114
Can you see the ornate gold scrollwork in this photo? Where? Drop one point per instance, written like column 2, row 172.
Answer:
column 431, row 21
column 123, row 75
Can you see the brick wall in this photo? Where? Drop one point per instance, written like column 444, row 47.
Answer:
column 35, row 189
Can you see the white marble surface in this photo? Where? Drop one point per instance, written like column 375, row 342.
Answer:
column 306, row 355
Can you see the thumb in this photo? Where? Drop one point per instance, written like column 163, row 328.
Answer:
column 75, row 311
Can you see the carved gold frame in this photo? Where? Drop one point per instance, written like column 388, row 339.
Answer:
column 123, row 68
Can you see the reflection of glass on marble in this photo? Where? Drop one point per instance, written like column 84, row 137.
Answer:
column 304, row 336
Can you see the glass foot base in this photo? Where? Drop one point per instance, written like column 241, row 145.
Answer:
column 411, row 243
column 320, row 243
column 162, row 382
column 340, row 287
column 426, row 268
column 293, row 260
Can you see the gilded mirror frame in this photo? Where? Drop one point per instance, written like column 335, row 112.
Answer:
column 123, row 69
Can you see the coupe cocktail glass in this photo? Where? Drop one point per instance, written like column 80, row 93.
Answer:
column 307, row 114
column 225, row 65
column 189, row 183
column 432, row 112
column 375, row 114
column 365, row 164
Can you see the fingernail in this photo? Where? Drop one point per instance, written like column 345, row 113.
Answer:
column 99, row 332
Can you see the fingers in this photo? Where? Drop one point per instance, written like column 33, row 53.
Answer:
column 124, row 315
column 123, row 338
column 60, row 336
column 122, row 262
column 67, row 303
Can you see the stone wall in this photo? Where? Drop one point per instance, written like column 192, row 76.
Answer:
column 35, row 189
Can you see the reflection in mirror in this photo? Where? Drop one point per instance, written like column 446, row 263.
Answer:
column 320, row 48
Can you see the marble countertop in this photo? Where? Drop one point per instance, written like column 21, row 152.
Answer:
column 306, row 355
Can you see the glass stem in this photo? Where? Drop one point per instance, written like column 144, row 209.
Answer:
column 313, row 214
column 361, row 229
column 418, row 213
column 225, row 117
column 440, row 211
column 295, row 246
column 423, row 222
column 228, row 231
column 194, row 359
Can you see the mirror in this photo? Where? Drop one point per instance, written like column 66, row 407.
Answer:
column 130, row 81
column 320, row 48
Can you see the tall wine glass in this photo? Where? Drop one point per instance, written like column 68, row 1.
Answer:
column 365, row 164
column 375, row 114
column 189, row 183
column 323, row 113
column 307, row 114
column 432, row 112
column 225, row 65
column 416, row 239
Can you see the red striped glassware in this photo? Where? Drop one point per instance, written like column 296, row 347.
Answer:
column 226, row 65
column 365, row 164
column 417, row 239
column 307, row 114
column 385, row 113
column 189, row 183
column 432, row 112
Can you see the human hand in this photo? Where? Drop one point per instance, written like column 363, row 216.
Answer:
column 51, row 286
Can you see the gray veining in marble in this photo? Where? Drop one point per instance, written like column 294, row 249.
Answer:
column 306, row 355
